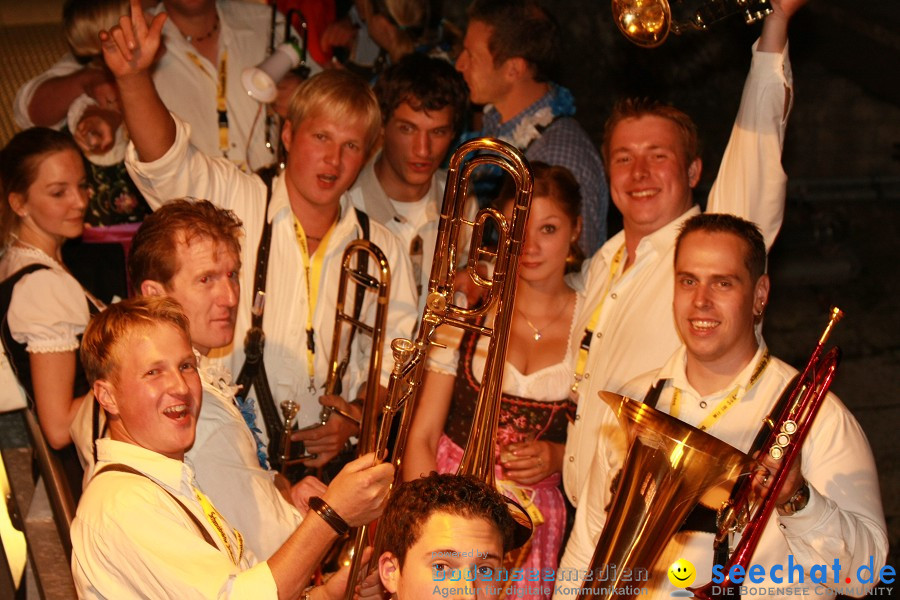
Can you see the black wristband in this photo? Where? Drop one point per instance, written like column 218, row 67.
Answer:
column 329, row 515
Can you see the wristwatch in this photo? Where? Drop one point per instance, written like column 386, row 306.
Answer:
column 797, row 502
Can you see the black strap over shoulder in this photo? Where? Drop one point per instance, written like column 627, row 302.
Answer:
column 253, row 371
column 117, row 467
column 701, row 518
column 18, row 356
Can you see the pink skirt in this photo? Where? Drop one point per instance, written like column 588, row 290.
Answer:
column 540, row 563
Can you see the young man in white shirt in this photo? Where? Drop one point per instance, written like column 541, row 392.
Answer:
column 144, row 527
column 723, row 381
column 332, row 125
column 423, row 104
column 653, row 165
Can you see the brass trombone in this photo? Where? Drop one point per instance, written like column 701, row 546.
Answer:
column 440, row 309
column 354, row 269
column 648, row 23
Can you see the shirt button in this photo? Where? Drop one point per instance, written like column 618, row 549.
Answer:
column 613, row 295
column 703, row 404
column 599, row 334
column 574, row 499
column 587, row 375
column 571, row 459
column 577, row 417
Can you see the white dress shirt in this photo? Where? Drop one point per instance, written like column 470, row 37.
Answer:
column 184, row 171
column 224, row 462
column 228, row 471
column 636, row 332
column 189, row 90
column 131, row 540
column 843, row 520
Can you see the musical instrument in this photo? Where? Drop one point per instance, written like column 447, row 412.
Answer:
column 440, row 309
column 670, row 465
column 648, row 23
column 787, row 426
column 346, row 325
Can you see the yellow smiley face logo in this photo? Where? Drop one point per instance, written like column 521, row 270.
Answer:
column 682, row 573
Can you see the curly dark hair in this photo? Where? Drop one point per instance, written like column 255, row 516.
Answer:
column 521, row 29
column 426, row 83
column 413, row 502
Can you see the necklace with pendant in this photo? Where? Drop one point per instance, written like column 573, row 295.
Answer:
column 536, row 333
column 205, row 36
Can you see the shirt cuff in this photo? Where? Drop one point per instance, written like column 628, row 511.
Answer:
column 255, row 582
column 775, row 63
column 803, row 521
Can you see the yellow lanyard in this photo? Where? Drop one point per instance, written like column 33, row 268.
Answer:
column 584, row 350
column 727, row 402
column 313, row 269
column 221, row 103
column 216, row 520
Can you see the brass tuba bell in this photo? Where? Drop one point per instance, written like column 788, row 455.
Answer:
column 648, row 23
column 670, row 465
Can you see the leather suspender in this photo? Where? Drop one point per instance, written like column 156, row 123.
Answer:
column 253, row 372
column 702, row 518
column 126, row 469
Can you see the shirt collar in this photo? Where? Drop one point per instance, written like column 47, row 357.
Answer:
column 664, row 238
column 280, row 206
column 674, row 370
column 378, row 204
column 168, row 471
column 492, row 125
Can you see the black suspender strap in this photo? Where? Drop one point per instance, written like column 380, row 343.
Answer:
column 253, row 371
column 702, row 518
column 126, row 469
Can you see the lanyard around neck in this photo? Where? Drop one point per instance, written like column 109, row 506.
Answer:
column 313, row 267
column 615, row 271
column 728, row 401
column 221, row 100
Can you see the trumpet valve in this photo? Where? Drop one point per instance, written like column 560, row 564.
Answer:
column 289, row 410
column 402, row 349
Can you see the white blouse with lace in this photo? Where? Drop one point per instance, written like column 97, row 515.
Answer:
column 549, row 384
column 48, row 309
